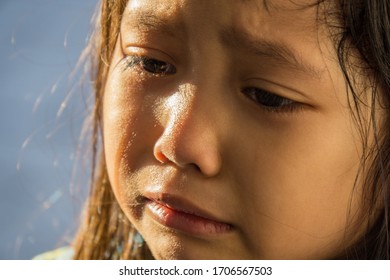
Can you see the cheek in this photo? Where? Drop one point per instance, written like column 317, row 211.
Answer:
column 298, row 182
column 131, row 127
column 123, row 119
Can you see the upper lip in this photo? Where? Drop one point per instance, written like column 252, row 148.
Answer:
column 180, row 204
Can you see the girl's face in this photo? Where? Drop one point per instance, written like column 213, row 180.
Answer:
column 227, row 130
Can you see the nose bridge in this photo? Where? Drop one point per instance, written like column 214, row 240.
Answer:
column 182, row 106
column 190, row 119
column 190, row 136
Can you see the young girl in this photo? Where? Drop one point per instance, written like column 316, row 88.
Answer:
column 240, row 129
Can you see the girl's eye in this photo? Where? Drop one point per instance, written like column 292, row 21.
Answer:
column 153, row 66
column 268, row 100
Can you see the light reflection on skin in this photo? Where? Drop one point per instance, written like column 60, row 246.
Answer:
column 281, row 176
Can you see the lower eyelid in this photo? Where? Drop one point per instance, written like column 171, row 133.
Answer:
column 288, row 110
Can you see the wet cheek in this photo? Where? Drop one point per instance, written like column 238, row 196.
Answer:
column 123, row 109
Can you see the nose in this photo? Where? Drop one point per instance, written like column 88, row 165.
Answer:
column 190, row 133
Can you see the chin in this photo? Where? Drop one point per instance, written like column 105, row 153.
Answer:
column 187, row 248
column 173, row 246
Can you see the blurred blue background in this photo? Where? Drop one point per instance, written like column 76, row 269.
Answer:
column 40, row 42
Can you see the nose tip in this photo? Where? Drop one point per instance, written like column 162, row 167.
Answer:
column 189, row 137
column 200, row 156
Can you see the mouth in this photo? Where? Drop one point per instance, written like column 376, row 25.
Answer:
column 181, row 215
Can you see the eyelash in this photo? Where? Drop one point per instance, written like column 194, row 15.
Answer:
column 159, row 68
column 266, row 100
column 271, row 102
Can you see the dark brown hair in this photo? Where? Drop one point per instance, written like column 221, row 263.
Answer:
column 105, row 233
column 363, row 29
column 366, row 30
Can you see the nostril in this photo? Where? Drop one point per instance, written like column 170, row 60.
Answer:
column 196, row 167
column 161, row 157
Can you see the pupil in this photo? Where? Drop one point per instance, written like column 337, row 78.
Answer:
column 155, row 66
column 269, row 100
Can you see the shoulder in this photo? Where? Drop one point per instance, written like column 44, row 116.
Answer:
column 63, row 253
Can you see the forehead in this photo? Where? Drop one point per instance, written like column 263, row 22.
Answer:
column 282, row 29
column 274, row 18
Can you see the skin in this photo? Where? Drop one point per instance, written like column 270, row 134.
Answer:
column 281, row 176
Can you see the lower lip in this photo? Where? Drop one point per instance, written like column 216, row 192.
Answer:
column 185, row 222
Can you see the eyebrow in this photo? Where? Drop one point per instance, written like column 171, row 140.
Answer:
column 147, row 20
column 280, row 52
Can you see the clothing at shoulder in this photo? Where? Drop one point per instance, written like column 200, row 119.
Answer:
column 63, row 253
